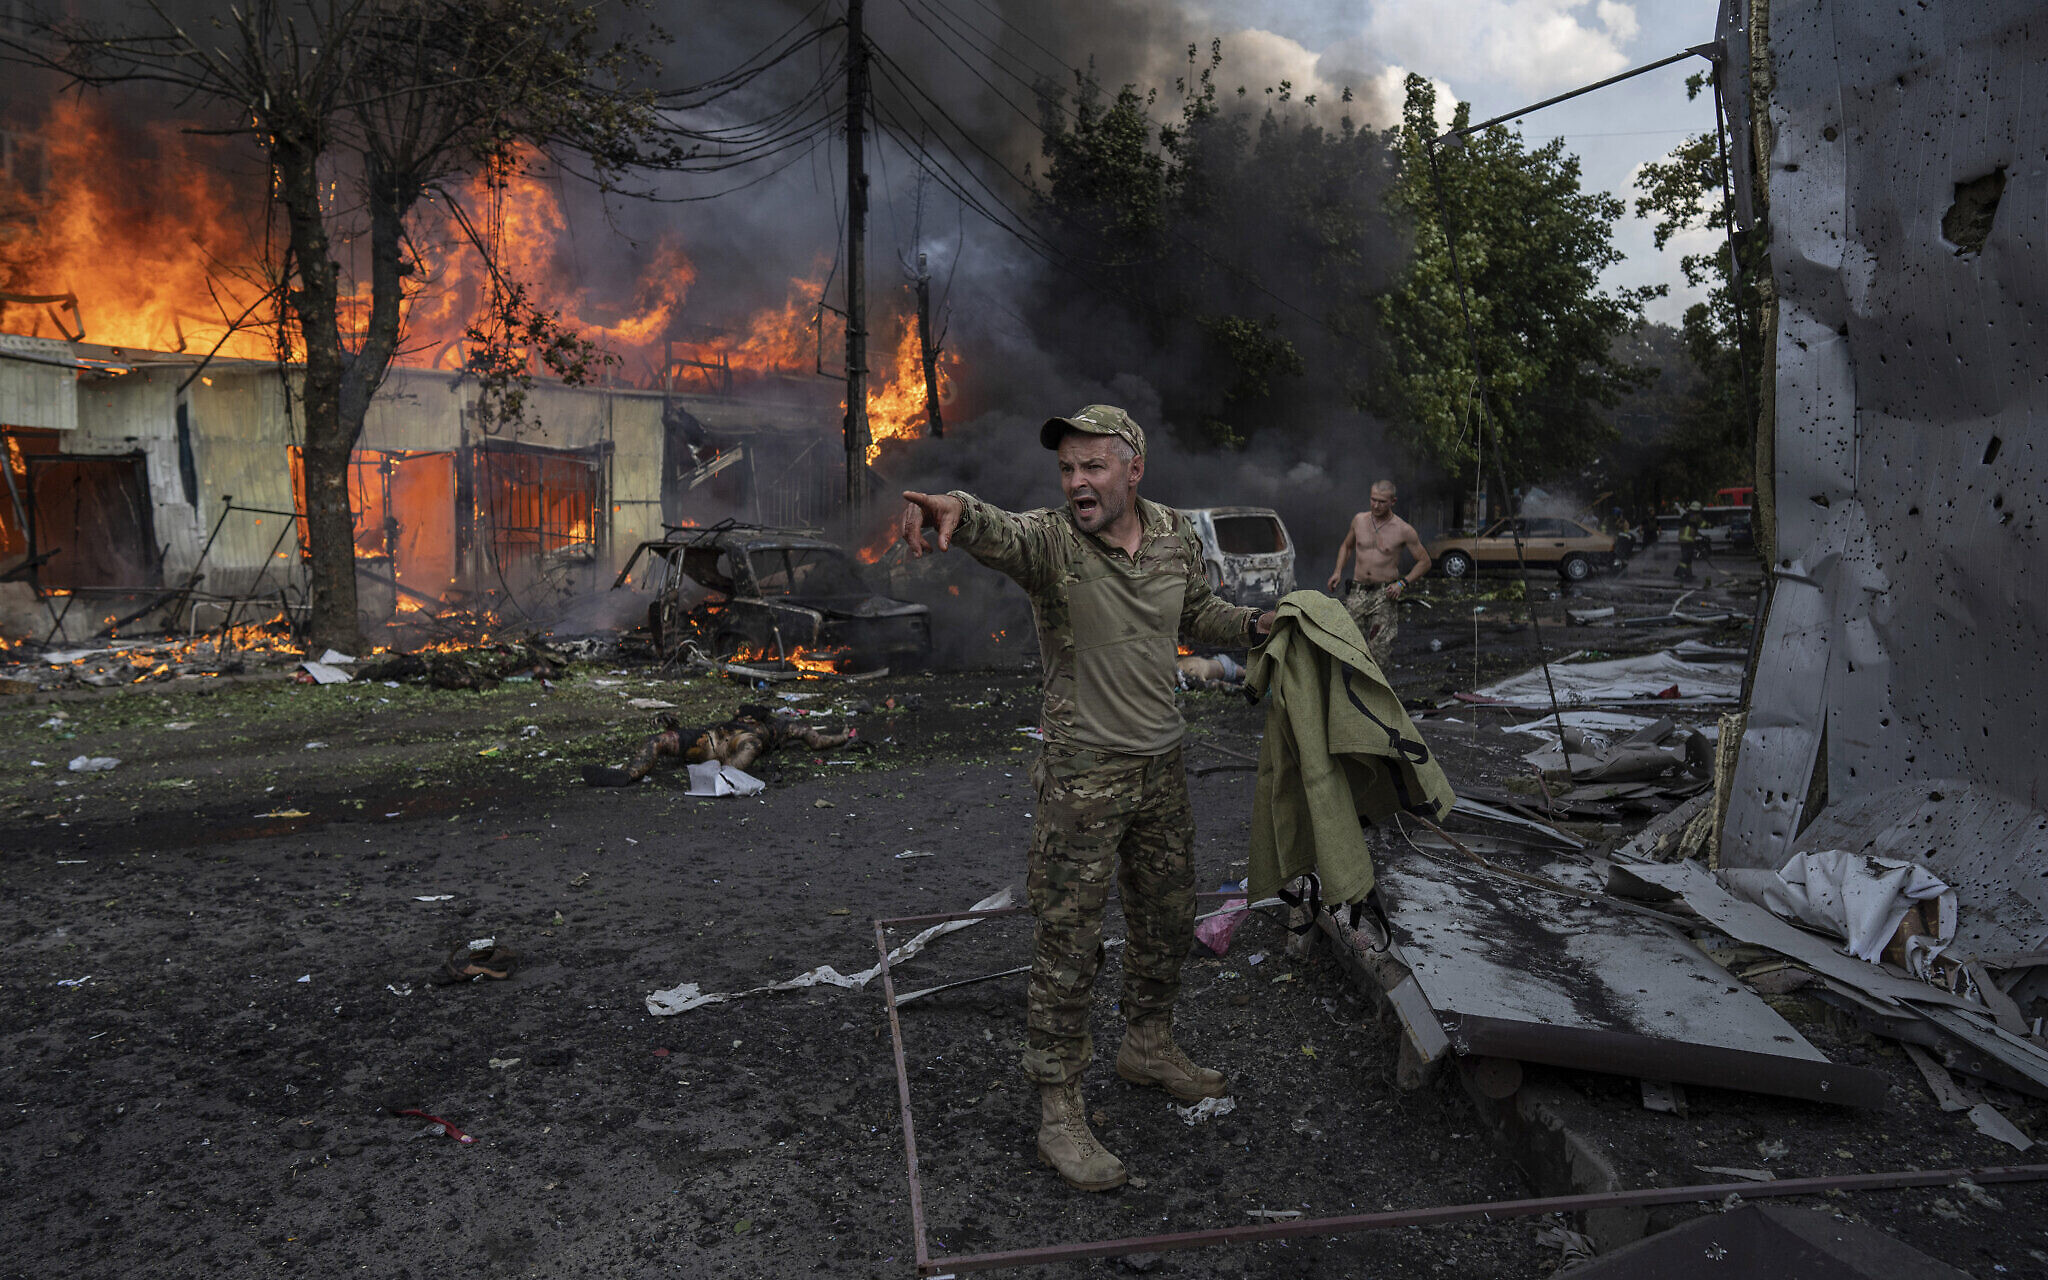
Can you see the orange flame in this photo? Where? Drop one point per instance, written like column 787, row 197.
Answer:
column 812, row 661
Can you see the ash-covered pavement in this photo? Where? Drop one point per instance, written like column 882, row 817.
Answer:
column 216, row 993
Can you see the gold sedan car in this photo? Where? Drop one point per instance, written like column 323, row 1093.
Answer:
column 1573, row 549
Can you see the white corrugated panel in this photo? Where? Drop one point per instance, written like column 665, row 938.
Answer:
column 37, row 386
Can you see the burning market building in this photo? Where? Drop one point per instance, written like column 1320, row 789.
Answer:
column 160, row 484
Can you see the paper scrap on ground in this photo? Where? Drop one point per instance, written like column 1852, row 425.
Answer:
column 93, row 764
column 333, row 658
column 325, row 673
column 1588, row 684
column 1205, row 1110
column 714, row 779
column 434, row 897
column 687, row 996
column 650, row 704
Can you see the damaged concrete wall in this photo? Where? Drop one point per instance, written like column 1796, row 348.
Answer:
column 1908, row 183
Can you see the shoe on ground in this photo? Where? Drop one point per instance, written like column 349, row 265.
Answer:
column 1148, row 1056
column 1067, row 1144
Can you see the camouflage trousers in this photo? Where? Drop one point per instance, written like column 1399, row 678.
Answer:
column 1101, row 816
column 1378, row 616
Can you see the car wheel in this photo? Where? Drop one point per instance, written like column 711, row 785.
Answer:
column 1575, row 568
column 1455, row 564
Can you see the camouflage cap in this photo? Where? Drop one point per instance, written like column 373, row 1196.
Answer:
column 1095, row 420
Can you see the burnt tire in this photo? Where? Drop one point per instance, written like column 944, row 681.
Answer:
column 1455, row 564
column 1575, row 568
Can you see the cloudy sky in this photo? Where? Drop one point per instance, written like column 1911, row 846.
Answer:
column 1503, row 54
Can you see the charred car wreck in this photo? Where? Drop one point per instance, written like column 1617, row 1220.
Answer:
column 740, row 592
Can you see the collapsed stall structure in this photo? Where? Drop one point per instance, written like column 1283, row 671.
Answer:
column 1899, row 695
column 161, row 485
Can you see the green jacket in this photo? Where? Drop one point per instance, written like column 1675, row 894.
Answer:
column 1339, row 750
column 1108, row 623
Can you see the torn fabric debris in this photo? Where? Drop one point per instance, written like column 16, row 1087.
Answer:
column 1857, row 897
column 1704, row 680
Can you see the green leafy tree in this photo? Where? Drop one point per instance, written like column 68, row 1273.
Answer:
column 1684, row 192
column 362, row 109
column 1531, row 244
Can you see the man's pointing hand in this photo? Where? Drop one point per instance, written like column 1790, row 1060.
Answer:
column 923, row 511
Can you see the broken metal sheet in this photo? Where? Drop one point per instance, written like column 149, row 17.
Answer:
column 1598, row 721
column 1781, row 735
column 1623, row 680
column 1991, row 1122
column 1747, row 922
column 1948, row 1095
column 1907, row 210
column 1988, row 847
column 2021, row 1057
column 1769, row 1242
column 1512, row 971
column 1548, row 833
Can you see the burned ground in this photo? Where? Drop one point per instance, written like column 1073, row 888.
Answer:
column 244, row 910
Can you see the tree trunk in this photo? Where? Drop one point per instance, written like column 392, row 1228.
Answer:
column 315, row 297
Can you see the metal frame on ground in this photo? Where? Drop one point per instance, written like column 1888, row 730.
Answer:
column 945, row 1265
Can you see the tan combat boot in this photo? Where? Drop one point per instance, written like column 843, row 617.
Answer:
column 1066, row 1143
column 1148, row 1055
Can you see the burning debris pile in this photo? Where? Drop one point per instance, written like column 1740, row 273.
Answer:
column 480, row 667
column 29, row 668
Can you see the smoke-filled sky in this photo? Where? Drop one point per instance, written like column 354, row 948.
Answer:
column 974, row 56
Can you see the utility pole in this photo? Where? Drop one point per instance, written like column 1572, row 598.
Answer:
column 856, row 256
column 927, row 340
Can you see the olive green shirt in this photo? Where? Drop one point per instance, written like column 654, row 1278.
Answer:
column 1108, row 623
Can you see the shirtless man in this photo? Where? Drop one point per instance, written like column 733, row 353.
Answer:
column 1374, row 544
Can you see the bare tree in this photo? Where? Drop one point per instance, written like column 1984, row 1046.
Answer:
column 386, row 101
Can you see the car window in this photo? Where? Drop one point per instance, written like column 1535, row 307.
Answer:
column 805, row 571
column 1249, row 535
column 709, row 566
column 1504, row 529
column 1554, row 528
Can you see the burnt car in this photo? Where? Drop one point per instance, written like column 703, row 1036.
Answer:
column 743, row 592
column 1246, row 553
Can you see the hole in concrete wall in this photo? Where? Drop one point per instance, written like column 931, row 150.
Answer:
column 1991, row 450
column 1967, row 224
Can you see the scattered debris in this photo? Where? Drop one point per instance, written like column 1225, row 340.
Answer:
column 93, row 764
column 481, row 959
column 1206, row 1110
column 752, row 732
column 1691, row 674
column 436, row 1126
column 687, row 996
column 715, row 779
column 1747, row 1175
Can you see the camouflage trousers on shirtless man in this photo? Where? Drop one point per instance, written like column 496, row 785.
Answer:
column 1378, row 616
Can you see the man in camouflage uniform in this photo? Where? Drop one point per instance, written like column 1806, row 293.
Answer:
column 1114, row 581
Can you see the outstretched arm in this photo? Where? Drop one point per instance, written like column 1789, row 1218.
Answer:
column 1343, row 554
column 1019, row 546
